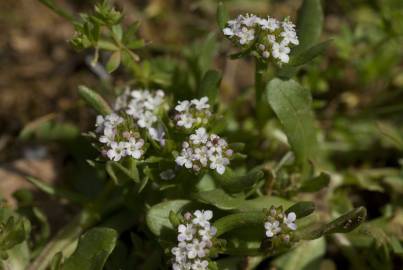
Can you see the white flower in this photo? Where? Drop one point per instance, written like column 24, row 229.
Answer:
column 147, row 119
column 202, row 218
column 194, row 241
column 186, row 232
column 186, row 120
column 271, row 38
column 289, row 37
column 269, row 24
column 182, row 106
column 185, row 159
column 121, row 101
column 153, row 102
column 281, row 51
column 272, row 228
column 109, row 136
column 201, row 104
column 182, row 266
column 201, row 154
column 157, row 134
column 200, row 265
column 113, row 119
column 196, row 249
column 250, row 20
column 99, row 123
column 228, row 32
column 218, row 163
column 117, row 151
column 207, row 233
column 289, row 221
column 200, row 137
column 246, row 35
column 134, row 148
column 180, row 251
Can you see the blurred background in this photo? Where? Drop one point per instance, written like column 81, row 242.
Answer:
column 357, row 88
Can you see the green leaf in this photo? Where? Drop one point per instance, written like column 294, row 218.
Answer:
column 222, row 200
column 307, row 55
column 347, row 222
column 210, row 85
column 93, row 249
column 344, row 224
column 48, row 129
column 315, row 184
column 305, row 257
column 233, row 183
column 54, row 191
column 94, row 100
column 13, row 231
column 114, row 61
column 391, row 133
column 120, row 174
column 292, row 105
column 56, row 263
column 58, row 10
column 302, row 57
column 238, row 220
column 302, row 209
column 157, row 217
column 309, row 23
column 222, row 15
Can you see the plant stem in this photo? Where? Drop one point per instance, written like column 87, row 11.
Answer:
column 260, row 85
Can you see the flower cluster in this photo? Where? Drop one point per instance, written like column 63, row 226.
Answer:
column 270, row 38
column 204, row 150
column 117, row 141
column 143, row 107
column 193, row 113
column 194, row 241
column 280, row 224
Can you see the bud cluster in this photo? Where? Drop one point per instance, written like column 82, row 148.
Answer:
column 279, row 225
column 269, row 38
column 195, row 237
column 143, row 106
column 204, row 150
column 193, row 113
column 117, row 140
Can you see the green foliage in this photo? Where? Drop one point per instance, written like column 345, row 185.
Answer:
column 94, row 100
column 93, row 249
column 309, row 23
column 319, row 147
column 292, row 105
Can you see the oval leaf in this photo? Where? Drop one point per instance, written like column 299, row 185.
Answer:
column 114, row 61
column 94, row 100
column 233, row 183
column 93, row 249
column 302, row 209
column 309, row 23
column 292, row 105
column 222, row 15
column 316, row 184
column 234, row 221
column 158, row 216
column 222, row 200
column 209, row 85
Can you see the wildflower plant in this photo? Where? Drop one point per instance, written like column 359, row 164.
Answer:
column 184, row 181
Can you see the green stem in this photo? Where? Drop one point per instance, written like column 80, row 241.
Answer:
column 260, row 86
